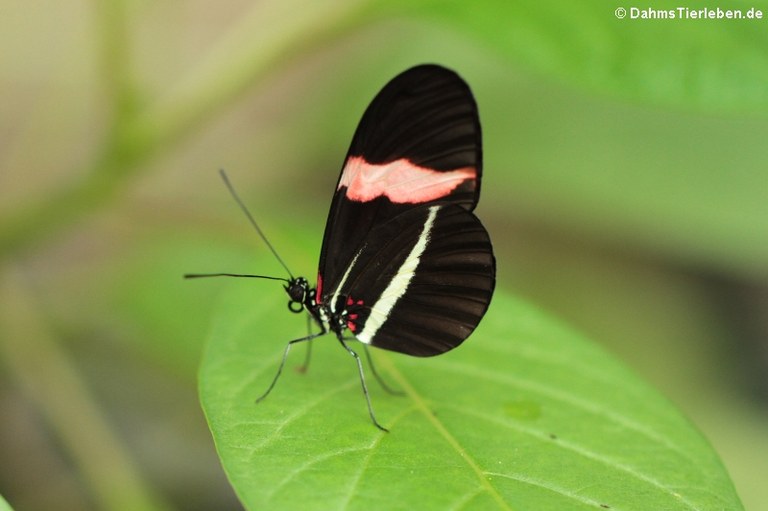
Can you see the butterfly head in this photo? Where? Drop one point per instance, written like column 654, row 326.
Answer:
column 299, row 293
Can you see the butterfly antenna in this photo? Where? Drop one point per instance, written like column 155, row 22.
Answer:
column 202, row 275
column 253, row 223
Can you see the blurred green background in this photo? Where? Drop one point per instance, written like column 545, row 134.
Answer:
column 625, row 188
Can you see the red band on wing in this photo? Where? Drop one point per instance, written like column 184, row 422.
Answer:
column 400, row 181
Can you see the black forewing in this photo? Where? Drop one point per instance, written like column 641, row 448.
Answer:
column 447, row 295
column 426, row 115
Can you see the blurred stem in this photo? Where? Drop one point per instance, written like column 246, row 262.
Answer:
column 37, row 363
column 115, row 59
column 272, row 34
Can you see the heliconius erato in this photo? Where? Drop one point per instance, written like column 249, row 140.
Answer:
column 405, row 265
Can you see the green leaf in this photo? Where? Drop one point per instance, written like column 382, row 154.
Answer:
column 525, row 415
column 708, row 64
column 4, row 506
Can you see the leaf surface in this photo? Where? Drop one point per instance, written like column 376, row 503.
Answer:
column 525, row 415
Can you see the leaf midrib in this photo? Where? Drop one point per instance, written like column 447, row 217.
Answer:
column 423, row 408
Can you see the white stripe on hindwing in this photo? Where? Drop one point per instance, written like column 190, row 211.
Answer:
column 399, row 284
column 335, row 296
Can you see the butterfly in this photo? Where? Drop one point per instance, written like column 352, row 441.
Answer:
column 405, row 264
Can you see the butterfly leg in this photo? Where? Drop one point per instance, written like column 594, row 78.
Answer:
column 362, row 381
column 376, row 375
column 282, row 362
column 308, row 354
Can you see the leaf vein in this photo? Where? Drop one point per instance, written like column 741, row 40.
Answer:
column 550, row 487
column 584, row 452
column 574, row 401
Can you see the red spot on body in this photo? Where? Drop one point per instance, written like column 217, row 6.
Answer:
column 400, row 181
column 353, row 316
column 319, row 293
column 349, row 300
column 351, row 326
